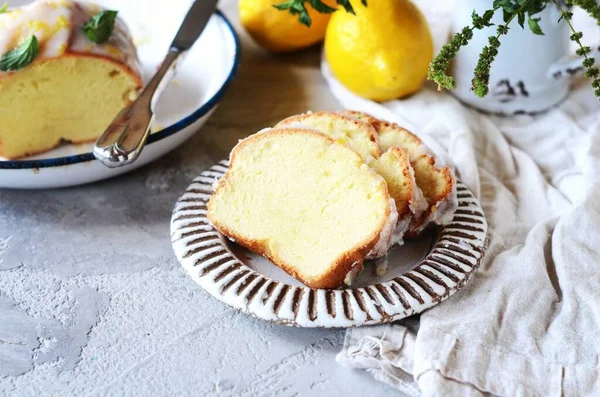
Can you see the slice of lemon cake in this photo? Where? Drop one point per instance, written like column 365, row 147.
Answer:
column 56, row 83
column 437, row 184
column 310, row 205
column 358, row 135
column 393, row 165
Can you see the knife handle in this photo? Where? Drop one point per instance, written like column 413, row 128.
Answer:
column 123, row 140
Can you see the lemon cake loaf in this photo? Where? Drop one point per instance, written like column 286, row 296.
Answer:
column 438, row 184
column 393, row 165
column 56, row 83
column 309, row 204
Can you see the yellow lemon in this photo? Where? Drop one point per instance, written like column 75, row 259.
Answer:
column 279, row 31
column 383, row 51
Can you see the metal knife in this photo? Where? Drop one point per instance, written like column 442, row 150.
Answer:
column 123, row 140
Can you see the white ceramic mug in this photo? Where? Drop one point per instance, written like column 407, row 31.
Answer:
column 530, row 73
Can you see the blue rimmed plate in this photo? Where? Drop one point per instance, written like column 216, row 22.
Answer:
column 184, row 107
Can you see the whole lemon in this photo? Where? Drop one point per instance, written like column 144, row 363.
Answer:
column 383, row 51
column 278, row 30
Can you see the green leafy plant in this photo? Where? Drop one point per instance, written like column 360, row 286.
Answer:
column 521, row 10
column 298, row 7
column 99, row 28
column 3, row 8
column 511, row 9
column 21, row 56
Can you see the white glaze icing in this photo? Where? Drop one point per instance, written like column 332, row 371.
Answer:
column 353, row 274
column 443, row 211
column 423, row 150
column 382, row 266
column 267, row 129
column 385, row 236
column 446, row 208
column 302, row 126
column 401, row 228
column 57, row 27
column 418, row 205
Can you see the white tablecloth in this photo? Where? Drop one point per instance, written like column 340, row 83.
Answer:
column 529, row 322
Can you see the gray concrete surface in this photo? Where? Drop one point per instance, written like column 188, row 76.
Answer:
column 93, row 301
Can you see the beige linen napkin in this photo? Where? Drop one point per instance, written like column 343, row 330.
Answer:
column 528, row 324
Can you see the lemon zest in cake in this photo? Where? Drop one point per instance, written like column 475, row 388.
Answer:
column 62, row 23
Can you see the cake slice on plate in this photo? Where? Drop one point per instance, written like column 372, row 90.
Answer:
column 309, row 204
column 359, row 136
column 56, row 84
column 438, row 184
column 393, row 165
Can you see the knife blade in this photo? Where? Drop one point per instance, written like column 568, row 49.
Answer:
column 194, row 23
column 123, row 140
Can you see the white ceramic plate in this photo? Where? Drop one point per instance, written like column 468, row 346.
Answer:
column 421, row 273
column 187, row 103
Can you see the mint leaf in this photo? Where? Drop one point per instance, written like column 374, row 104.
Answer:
column 99, row 28
column 21, row 56
column 487, row 17
column 321, row 7
column 3, row 8
column 296, row 7
column 535, row 6
column 534, row 26
column 521, row 17
column 347, row 6
column 510, row 6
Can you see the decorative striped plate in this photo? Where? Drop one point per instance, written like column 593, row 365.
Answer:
column 421, row 273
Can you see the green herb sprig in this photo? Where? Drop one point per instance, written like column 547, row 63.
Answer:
column 592, row 72
column 99, row 27
column 511, row 9
column 520, row 10
column 3, row 8
column 440, row 64
column 589, row 6
column 21, row 56
column 298, row 7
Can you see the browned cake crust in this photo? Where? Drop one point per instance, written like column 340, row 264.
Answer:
column 424, row 160
column 402, row 155
column 435, row 200
column 338, row 270
column 46, row 149
column 355, row 114
column 124, row 67
column 379, row 124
